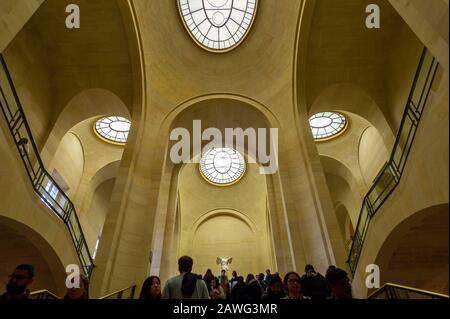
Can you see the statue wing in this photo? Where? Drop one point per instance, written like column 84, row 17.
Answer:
column 219, row 261
column 230, row 260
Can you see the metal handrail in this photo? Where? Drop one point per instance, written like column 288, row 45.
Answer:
column 392, row 168
column 21, row 133
column 390, row 286
column 120, row 293
column 44, row 292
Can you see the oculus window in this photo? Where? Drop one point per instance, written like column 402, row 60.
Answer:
column 222, row 166
column 113, row 129
column 327, row 125
column 218, row 25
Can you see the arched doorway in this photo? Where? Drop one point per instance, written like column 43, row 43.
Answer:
column 415, row 253
column 19, row 244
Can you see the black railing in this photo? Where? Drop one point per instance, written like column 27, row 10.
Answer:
column 389, row 176
column 44, row 185
column 393, row 291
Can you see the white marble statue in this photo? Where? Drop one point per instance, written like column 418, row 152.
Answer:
column 224, row 262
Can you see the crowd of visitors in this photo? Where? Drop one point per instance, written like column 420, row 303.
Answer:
column 22, row 277
column 188, row 285
column 312, row 285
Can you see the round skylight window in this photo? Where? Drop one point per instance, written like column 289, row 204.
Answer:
column 218, row 25
column 222, row 166
column 327, row 125
column 113, row 129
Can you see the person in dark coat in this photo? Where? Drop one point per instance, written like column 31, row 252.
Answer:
column 274, row 289
column 254, row 289
column 314, row 284
column 340, row 284
column 239, row 290
column 19, row 281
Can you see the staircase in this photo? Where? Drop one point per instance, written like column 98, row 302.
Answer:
column 393, row 291
column 127, row 293
column 45, row 187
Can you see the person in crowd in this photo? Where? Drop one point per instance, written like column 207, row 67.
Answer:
column 330, row 268
column 274, row 289
column 292, row 282
column 233, row 280
column 314, row 284
column 186, row 285
column 223, row 280
column 19, row 281
column 240, row 290
column 262, row 282
column 339, row 283
column 225, row 284
column 151, row 288
column 223, row 274
column 207, row 279
column 254, row 289
column 267, row 276
column 80, row 292
column 217, row 291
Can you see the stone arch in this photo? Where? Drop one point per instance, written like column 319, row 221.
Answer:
column 94, row 217
column 20, row 244
column 86, row 104
column 372, row 154
column 244, row 100
column 173, row 234
column 345, row 224
column 349, row 97
column 68, row 164
column 245, row 201
column 98, row 190
column 360, row 148
column 415, row 251
column 281, row 231
column 108, row 171
column 332, row 165
column 97, row 154
column 207, row 244
column 177, row 112
column 26, row 216
column 182, row 116
column 225, row 212
column 261, row 116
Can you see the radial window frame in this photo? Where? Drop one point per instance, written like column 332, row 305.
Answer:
column 104, row 137
column 338, row 132
column 210, row 49
column 241, row 174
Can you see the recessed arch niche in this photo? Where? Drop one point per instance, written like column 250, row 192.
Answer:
column 224, row 221
column 228, row 233
column 190, row 196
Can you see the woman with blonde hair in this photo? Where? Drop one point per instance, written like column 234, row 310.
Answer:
column 81, row 292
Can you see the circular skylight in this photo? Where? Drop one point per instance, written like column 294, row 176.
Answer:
column 222, row 166
column 326, row 125
column 218, row 25
column 113, row 129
